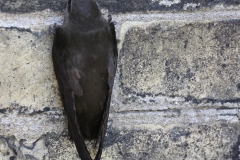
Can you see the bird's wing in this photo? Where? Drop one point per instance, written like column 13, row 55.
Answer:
column 111, row 74
column 115, row 51
column 68, row 77
column 63, row 64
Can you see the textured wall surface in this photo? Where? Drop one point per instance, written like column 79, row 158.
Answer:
column 177, row 89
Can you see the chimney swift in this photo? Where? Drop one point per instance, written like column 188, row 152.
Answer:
column 84, row 57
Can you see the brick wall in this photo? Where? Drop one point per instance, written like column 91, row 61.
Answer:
column 176, row 93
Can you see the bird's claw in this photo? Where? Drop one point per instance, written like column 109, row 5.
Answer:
column 110, row 20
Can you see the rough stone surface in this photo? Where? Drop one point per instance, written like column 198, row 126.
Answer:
column 24, row 6
column 27, row 70
column 30, row 125
column 28, row 86
column 182, row 59
column 185, row 61
column 117, row 6
column 176, row 92
column 164, row 5
column 171, row 142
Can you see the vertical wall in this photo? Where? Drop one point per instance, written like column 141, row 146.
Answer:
column 176, row 93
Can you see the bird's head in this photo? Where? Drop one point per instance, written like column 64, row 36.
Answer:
column 82, row 11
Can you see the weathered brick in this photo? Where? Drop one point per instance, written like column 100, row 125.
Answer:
column 176, row 93
column 194, row 60
column 27, row 76
column 25, row 6
column 173, row 142
column 116, row 6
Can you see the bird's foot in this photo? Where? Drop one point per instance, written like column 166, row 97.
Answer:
column 109, row 18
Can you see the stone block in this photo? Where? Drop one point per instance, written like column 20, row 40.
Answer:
column 29, row 99
column 184, row 61
column 173, row 142
column 152, row 142
column 176, row 92
column 116, row 6
column 121, row 6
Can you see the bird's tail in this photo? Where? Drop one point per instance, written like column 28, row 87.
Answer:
column 73, row 127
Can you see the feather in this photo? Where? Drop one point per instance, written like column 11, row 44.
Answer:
column 84, row 57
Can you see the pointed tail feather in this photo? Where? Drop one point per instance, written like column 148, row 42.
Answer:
column 73, row 125
column 102, row 130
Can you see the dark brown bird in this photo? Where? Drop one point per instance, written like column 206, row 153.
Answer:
column 84, row 56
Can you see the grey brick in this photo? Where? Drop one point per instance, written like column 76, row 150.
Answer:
column 195, row 60
column 116, row 6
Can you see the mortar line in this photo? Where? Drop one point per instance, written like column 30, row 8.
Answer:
column 37, row 21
